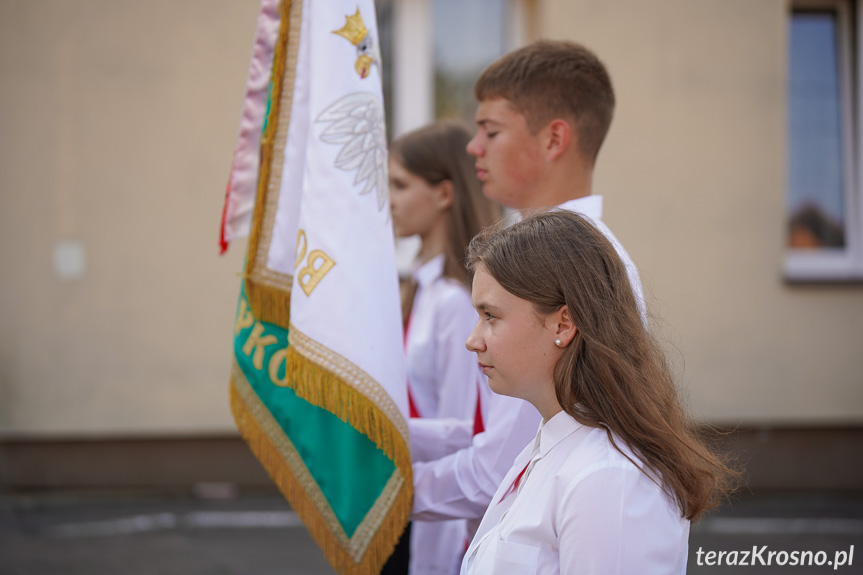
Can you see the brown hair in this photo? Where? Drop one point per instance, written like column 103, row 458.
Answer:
column 436, row 153
column 612, row 374
column 554, row 79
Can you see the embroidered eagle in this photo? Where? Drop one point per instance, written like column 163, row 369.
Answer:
column 357, row 124
column 368, row 53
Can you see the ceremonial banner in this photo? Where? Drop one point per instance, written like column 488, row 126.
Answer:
column 243, row 180
column 318, row 385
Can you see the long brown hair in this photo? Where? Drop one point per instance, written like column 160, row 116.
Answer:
column 612, row 375
column 436, row 153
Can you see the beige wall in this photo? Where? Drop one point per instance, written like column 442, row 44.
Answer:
column 694, row 179
column 117, row 126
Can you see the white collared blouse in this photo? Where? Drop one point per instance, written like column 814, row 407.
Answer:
column 456, row 473
column 581, row 508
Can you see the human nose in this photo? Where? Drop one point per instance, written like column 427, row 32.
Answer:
column 393, row 200
column 474, row 342
column 473, row 146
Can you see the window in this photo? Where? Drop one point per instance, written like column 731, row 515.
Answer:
column 824, row 217
column 462, row 50
column 434, row 50
column 432, row 53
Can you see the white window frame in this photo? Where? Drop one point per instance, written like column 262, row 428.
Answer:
column 413, row 77
column 413, row 58
column 845, row 264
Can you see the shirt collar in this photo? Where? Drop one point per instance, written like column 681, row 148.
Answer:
column 429, row 271
column 590, row 206
column 556, row 430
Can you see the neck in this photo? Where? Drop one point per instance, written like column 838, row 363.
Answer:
column 433, row 244
column 546, row 401
column 562, row 186
column 549, row 411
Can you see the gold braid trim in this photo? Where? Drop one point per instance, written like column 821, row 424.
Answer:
column 376, row 537
column 268, row 290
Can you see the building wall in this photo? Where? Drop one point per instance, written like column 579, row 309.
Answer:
column 693, row 175
column 117, row 127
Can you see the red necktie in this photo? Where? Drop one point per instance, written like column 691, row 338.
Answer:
column 412, row 407
column 478, row 426
column 515, row 483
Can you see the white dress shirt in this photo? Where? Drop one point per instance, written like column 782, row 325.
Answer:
column 441, row 376
column 582, row 508
column 461, row 484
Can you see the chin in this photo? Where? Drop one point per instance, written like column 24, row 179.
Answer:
column 501, row 197
column 497, row 388
column 488, row 192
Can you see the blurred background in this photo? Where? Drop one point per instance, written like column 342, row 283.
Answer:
column 731, row 173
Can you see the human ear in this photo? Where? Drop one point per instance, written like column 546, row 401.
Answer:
column 559, row 136
column 444, row 193
column 565, row 328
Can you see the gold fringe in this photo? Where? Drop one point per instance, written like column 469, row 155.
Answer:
column 322, row 388
column 266, row 300
column 353, row 406
column 269, row 304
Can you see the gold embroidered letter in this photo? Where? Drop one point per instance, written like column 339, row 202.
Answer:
column 275, row 362
column 309, row 276
column 244, row 317
column 301, row 248
column 258, row 343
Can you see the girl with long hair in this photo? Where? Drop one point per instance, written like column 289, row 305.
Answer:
column 434, row 194
column 617, row 470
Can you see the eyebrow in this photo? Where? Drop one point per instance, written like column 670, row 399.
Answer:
column 485, row 121
column 483, row 306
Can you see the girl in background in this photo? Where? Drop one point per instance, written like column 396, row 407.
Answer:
column 616, row 472
column 435, row 195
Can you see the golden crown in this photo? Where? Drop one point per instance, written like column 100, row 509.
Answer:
column 354, row 29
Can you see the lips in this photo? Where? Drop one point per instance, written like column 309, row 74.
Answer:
column 481, row 173
column 485, row 368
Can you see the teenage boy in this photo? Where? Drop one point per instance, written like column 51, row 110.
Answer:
column 544, row 111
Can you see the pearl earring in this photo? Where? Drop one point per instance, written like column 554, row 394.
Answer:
column 557, row 342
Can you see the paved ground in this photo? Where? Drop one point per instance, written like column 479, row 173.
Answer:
column 257, row 534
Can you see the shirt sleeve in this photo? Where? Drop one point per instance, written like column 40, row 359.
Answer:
column 616, row 521
column 461, row 485
column 435, row 438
